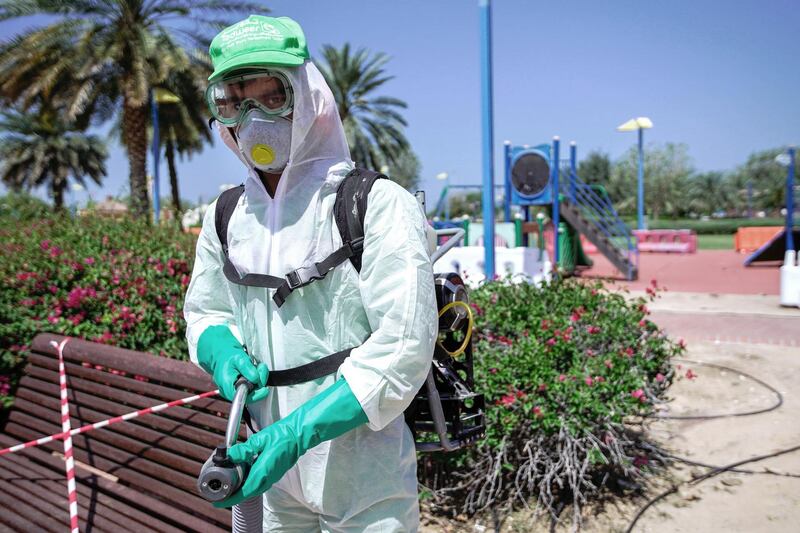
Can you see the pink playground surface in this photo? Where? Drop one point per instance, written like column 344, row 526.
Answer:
column 711, row 271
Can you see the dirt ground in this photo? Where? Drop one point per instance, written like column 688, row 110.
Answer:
column 766, row 345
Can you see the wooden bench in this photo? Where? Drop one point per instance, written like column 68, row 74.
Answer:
column 137, row 475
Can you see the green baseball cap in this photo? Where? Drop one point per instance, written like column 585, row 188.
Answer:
column 257, row 41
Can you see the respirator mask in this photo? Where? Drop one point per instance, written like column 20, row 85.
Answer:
column 256, row 105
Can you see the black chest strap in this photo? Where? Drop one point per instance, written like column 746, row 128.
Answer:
column 309, row 371
column 349, row 210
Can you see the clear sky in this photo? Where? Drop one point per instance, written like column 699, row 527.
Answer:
column 720, row 76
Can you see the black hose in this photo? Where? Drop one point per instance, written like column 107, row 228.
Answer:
column 716, row 470
column 707, row 475
column 764, row 384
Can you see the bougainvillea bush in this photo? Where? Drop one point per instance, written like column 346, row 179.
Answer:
column 118, row 282
column 564, row 367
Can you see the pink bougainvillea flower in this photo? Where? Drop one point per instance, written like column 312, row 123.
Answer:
column 493, row 371
column 654, row 283
column 562, row 378
column 551, row 341
column 545, row 325
column 638, row 394
column 508, row 399
column 643, row 323
column 537, row 411
column 599, row 379
column 88, row 261
column 588, row 380
column 660, row 377
column 592, row 330
column 521, row 394
column 542, row 387
column 574, row 317
column 590, row 352
column 476, row 308
column 55, row 251
column 690, row 374
column 629, row 351
column 45, row 244
column 682, row 343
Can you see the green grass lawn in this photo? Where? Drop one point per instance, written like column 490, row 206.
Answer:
column 715, row 242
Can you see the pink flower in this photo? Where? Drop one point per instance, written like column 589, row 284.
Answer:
column 682, row 343
column 639, row 395
column 599, row 379
column 590, row 352
column 45, row 245
column 55, row 251
column 88, row 261
column 537, row 411
column 562, row 378
column 690, row 374
column 643, row 323
column 493, row 371
column 574, row 317
column 52, row 319
column 629, row 351
column 545, row 325
column 508, row 399
column 593, row 330
column 542, row 387
column 654, row 283
column 476, row 308
column 660, row 377
column 551, row 342
column 588, row 380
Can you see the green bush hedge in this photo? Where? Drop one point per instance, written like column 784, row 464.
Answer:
column 714, row 226
column 119, row 282
column 563, row 366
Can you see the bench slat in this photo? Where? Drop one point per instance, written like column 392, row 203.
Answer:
column 49, row 497
column 127, row 495
column 156, row 421
column 27, row 518
column 113, row 387
column 170, row 371
column 120, row 446
column 44, row 394
column 125, row 469
column 89, row 495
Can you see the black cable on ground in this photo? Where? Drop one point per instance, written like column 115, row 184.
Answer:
column 695, row 481
column 716, row 470
column 764, row 384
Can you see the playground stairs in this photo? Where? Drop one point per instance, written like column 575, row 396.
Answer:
column 589, row 210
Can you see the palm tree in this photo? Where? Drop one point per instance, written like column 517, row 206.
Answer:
column 104, row 57
column 39, row 148
column 372, row 124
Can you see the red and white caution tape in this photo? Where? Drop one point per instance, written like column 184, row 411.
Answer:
column 72, row 492
column 67, row 433
column 104, row 423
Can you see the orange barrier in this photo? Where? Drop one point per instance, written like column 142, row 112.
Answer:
column 683, row 241
column 751, row 239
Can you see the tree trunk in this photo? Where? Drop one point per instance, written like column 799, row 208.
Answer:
column 173, row 180
column 58, row 196
column 134, row 132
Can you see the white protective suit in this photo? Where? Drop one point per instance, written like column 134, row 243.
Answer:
column 366, row 479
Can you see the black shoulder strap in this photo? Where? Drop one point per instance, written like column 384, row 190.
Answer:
column 226, row 203
column 350, row 208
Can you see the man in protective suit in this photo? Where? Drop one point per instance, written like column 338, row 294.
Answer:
column 333, row 454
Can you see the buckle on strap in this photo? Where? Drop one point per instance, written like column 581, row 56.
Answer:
column 303, row 276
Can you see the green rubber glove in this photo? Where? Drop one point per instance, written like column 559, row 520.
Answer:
column 329, row 414
column 221, row 355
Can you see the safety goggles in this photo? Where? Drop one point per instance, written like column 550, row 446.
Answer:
column 268, row 90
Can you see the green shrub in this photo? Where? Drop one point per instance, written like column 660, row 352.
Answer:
column 119, row 282
column 563, row 367
column 23, row 207
column 715, row 226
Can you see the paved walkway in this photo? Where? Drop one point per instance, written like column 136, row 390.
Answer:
column 709, row 271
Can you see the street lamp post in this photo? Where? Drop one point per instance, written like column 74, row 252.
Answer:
column 158, row 96
column 639, row 124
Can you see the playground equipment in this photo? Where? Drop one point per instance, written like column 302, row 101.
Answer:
column 533, row 178
column 776, row 248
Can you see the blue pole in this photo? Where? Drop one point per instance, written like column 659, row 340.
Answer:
column 488, row 141
column 790, row 202
column 640, row 204
column 156, row 151
column 573, row 169
column 507, row 182
column 554, row 164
